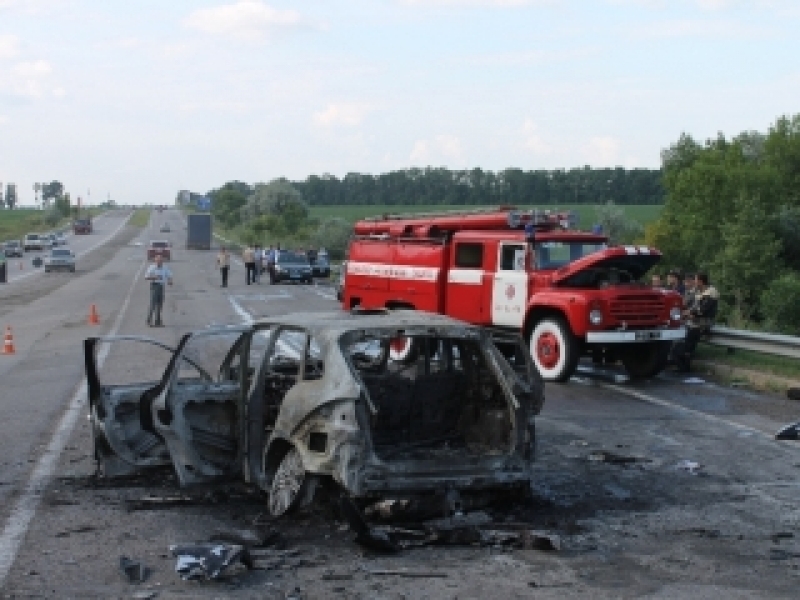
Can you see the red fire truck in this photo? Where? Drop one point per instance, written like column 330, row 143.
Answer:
column 568, row 291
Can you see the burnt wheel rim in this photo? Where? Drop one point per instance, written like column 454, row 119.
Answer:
column 286, row 484
column 548, row 350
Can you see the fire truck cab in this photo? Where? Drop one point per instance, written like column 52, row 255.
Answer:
column 568, row 292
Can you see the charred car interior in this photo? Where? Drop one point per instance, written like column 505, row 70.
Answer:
column 384, row 404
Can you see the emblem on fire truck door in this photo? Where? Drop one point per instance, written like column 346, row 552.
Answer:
column 510, row 291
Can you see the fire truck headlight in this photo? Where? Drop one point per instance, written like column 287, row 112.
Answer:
column 675, row 313
column 596, row 316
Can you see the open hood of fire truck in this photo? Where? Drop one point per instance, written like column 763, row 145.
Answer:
column 635, row 260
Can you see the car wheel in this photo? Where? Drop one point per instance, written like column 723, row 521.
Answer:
column 288, row 484
column 554, row 349
column 46, row 270
column 643, row 361
column 72, row 270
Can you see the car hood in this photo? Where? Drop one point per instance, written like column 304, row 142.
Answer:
column 637, row 260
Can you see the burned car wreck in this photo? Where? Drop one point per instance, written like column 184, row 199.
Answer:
column 290, row 402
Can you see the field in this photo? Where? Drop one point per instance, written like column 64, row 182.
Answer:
column 14, row 224
column 643, row 213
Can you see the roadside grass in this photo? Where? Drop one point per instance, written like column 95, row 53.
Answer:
column 587, row 213
column 752, row 361
column 14, row 224
column 140, row 217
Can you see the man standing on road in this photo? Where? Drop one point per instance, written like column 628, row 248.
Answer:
column 224, row 264
column 249, row 259
column 700, row 317
column 159, row 276
column 259, row 257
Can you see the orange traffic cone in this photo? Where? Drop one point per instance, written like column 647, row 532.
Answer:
column 8, row 342
column 94, row 319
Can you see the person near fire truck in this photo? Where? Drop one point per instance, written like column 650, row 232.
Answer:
column 249, row 260
column 700, row 317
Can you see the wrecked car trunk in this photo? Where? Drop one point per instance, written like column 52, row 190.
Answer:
column 380, row 404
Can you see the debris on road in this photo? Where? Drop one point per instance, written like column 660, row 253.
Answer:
column 208, row 560
column 690, row 466
column 614, row 458
column 133, row 570
column 790, row 432
column 470, row 529
column 793, row 393
column 694, row 380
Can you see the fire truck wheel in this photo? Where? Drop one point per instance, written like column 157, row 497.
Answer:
column 554, row 349
column 643, row 361
column 403, row 350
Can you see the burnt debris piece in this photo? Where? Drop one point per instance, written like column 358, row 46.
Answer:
column 133, row 570
column 204, row 561
column 469, row 529
column 790, row 432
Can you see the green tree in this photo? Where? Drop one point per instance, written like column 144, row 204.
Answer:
column 334, row 235
column 745, row 261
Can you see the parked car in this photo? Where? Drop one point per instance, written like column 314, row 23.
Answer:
column 320, row 267
column 61, row 239
column 12, row 248
column 291, row 266
column 292, row 401
column 162, row 247
column 59, row 259
column 52, row 238
column 35, row 241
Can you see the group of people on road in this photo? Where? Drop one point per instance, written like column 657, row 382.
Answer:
column 257, row 261
column 700, row 301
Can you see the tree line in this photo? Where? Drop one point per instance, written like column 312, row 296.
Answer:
column 732, row 208
column 440, row 186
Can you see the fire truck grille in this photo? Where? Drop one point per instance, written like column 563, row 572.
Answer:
column 637, row 309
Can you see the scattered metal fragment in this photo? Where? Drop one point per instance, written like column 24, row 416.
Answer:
column 208, row 560
column 334, row 576
column 790, row 432
column 613, row 458
column 133, row 570
column 690, row 466
column 406, row 573
column 81, row 529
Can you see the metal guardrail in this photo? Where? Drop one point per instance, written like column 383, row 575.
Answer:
column 767, row 343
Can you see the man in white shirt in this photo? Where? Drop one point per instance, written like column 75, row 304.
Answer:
column 159, row 276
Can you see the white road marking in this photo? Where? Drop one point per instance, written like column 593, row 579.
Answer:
column 691, row 411
column 35, row 271
column 25, row 507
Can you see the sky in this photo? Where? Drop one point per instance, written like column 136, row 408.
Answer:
column 134, row 101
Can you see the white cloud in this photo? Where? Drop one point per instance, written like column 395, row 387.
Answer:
column 3, row 119
column 443, row 148
column 533, row 140
column 32, row 80
column 341, row 114
column 9, row 46
column 601, row 151
column 249, row 20
column 703, row 28
column 478, row 3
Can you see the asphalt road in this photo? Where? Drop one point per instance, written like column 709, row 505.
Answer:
column 671, row 488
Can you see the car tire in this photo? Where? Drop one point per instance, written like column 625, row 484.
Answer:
column 288, row 485
column 643, row 361
column 72, row 270
column 46, row 270
column 554, row 349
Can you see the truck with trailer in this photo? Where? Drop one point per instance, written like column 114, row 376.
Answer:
column 198, row 236
column 568, row 292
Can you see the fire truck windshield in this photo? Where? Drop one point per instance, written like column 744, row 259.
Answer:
column 553, row 255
